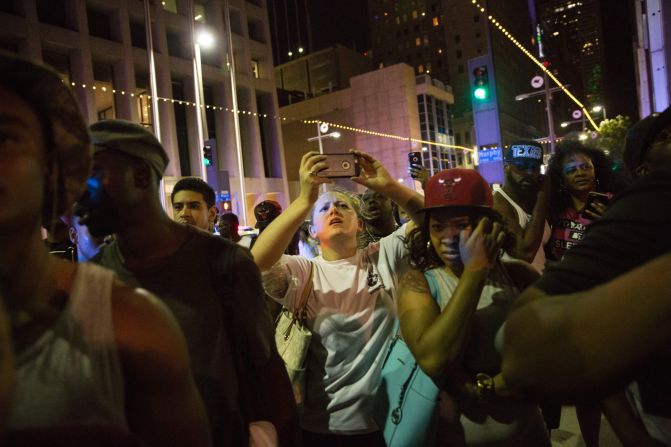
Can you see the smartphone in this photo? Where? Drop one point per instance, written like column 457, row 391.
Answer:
column 415, row 158
column 593, row 197
column 343, row 165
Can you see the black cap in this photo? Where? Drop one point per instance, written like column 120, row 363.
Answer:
column 266, row 211
column 524, row 150
column 641, row 136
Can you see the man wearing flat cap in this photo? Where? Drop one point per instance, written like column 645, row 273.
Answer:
column 176, row 262
column 633, row 231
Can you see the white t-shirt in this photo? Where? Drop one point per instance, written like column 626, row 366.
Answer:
column 351, row 312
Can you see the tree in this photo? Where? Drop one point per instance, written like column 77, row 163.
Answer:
column 611, row 136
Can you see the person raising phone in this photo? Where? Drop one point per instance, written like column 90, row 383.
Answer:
column 351, row 308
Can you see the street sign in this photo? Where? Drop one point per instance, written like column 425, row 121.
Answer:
column 489, row 154
column 576, row 114
column 323, row 127
column 537, row 81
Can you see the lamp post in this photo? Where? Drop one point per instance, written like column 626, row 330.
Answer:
column 321, row 129
column 203, row 39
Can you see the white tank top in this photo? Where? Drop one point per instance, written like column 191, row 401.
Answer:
column 72, row 374
column 523, row 219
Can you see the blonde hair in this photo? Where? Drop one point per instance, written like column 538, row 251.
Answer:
column 352, row 198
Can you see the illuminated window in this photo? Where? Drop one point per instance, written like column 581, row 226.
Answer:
column 398, row 20
column 440, row 51
column 435, row 21
column 255, row 69
column 418, row 41
column 420, row 69
column 414, row 14
column 426, row 41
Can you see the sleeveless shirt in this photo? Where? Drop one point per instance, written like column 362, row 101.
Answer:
column 72, row 373
column 523, row 218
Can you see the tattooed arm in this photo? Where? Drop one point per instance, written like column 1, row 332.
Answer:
column 437, row 339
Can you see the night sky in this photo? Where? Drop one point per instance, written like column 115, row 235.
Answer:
column 343, row 22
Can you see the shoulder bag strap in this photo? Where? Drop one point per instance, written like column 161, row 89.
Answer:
column 302, row 307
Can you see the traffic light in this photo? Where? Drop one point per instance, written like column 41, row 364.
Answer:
column 207, row 156
column 480, row 83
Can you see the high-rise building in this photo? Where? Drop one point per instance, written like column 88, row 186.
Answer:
column 387, row 112
column 439, row 37
column 574, row 45
column 100, row 47
column 653, row 55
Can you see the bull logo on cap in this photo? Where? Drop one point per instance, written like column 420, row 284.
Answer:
column 448, row 185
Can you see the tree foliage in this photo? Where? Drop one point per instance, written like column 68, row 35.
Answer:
column 611, row 136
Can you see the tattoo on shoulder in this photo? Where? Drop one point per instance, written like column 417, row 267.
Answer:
column 414, row 281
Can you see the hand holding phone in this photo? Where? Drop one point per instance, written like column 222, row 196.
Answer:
column 344, row 165
column 595, row 205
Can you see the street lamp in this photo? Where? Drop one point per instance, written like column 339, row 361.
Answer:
column 599, row 108
column 321, row 128
column 203, row 39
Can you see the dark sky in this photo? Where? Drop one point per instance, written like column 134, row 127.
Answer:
column 325, row 22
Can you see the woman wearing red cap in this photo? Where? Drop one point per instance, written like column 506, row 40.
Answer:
column 452, row 306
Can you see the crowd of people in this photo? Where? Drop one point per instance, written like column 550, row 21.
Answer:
column 158, row 330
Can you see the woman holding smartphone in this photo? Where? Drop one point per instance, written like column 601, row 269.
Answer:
column 352, row 301
column 583, row 184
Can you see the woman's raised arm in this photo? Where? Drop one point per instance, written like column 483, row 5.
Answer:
column 276, row 237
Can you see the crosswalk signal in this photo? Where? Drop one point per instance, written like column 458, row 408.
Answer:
column 481, row 83
column 207, row 156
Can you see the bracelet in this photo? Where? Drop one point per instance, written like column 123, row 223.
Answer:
column 484, row 385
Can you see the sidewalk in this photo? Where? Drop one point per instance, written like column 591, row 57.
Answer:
column 568, row 433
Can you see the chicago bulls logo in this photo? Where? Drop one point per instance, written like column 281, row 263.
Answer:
column 448, row 185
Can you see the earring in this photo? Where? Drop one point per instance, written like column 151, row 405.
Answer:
column 428, row 244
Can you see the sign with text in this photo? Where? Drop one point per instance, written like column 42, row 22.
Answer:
column 489, row 154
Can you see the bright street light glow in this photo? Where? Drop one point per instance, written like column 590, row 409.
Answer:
column 597, row 109
column 300, row 50
column 582, row 137
column 564, row 124
column 291, row 53
column 205, row 39
column 335, row 134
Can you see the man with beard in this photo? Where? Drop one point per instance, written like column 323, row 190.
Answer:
column 523, row 202
column 193, row 203
column 222, row 313
column 378, row 217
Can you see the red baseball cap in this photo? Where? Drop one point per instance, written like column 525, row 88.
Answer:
column 457, row 187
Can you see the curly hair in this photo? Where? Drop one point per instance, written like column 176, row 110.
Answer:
column 606, row 179
column 423, row 256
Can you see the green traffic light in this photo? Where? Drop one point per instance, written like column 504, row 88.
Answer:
column 480, row 93
column 207, row 162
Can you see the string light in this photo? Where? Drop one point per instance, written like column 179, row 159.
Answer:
column 291, row 119
column 538, row 63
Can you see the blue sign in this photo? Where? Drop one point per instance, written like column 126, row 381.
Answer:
column 489, row 154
